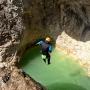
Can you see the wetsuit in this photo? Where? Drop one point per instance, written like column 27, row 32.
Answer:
column 46, row 49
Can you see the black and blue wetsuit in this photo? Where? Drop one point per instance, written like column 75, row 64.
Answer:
column 46, row 49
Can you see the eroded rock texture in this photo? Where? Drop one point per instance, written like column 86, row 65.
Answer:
column 52, row 17
column 11, row 29
column 75, row 40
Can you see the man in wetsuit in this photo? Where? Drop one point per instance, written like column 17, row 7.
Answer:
column 46, row 49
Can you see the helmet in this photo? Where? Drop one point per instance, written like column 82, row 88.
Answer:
column 48, row 39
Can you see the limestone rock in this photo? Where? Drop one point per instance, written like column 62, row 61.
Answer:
column 11, row 29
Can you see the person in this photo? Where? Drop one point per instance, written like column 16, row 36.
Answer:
column 46, row 49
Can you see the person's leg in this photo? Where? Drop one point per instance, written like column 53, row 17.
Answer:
column 48, row 58
column 44, row 58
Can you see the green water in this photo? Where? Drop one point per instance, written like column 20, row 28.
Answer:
column 63, row 73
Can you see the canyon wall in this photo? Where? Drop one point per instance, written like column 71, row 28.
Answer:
column 11, row 33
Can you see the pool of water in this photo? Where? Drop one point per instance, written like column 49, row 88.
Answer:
column 63, row 73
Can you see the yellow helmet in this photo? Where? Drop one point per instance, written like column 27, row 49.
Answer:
column 48, row 39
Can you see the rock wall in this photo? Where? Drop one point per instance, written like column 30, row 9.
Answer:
column 52, row 17
column 11, row 33
column 10, row 29
column 79, row 48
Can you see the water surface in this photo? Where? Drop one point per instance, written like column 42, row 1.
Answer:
column 63, row 73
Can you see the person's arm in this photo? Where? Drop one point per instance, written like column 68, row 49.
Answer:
column 39, row 43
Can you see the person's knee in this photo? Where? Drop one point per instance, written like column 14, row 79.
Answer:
column 43, row 56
